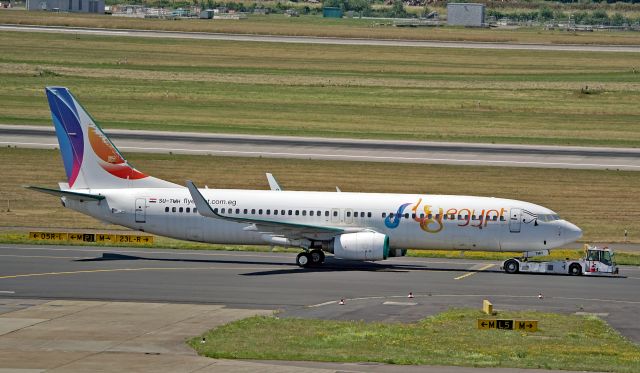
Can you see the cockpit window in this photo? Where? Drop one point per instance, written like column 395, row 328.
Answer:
column 548, row 217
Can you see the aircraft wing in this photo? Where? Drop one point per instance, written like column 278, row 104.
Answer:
column 276, row 228
column 68, row 194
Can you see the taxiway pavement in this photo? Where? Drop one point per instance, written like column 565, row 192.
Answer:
column 318, row 40
column 627, row 159
column 248, row 280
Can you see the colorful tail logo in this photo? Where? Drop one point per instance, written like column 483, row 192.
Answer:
column 84, row 147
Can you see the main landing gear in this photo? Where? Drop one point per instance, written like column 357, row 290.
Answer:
column 310, row 258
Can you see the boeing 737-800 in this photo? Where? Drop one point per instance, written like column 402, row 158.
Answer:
column 357, row 226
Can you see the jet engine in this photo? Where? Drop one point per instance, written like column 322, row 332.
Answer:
column 361, row 246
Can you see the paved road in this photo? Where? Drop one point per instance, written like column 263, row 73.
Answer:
column 319, row 40
column 344, row 149
column 372, row 291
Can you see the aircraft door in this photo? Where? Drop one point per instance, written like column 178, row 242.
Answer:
column 515, row 220
column 141, row 210
column 348, row 216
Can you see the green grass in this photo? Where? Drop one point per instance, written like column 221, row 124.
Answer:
column 603, row 203
column 565, row 342
column 530, row 97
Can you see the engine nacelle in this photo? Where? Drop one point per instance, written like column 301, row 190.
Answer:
column 361, row 246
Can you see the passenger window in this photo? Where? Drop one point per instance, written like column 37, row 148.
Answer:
column 413, row 216
column 421, row 216
column 348, row 213
column 253, row 211
column 282, row 212
column 297, row 212
column 237, row 211
column 368, row 214
column 245, row 211
column 275, row 212
column 391, row 215
column 195, row 209
column 384, row 214
column 166, row 209
column 452, row 217
column 173, row 209
column 268, row 212
column 188, row 209
column 326, row 213
column 214, row 210
column 320, row 213
column 180, row 210
column 335, row 213
column 222, row 211
column 304, row 212
column 473, row 217
column 290, row 212
column 311, row 213
column 260, row 212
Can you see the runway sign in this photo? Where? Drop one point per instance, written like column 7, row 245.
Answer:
column 521, row 325
column 48, row 236
column 130, row 239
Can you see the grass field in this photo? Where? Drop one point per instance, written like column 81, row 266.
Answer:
column 565, row 342
column 319, row 26
column 333, row 91
column 602, row 203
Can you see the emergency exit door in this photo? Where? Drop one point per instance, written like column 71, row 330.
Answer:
column 141, row 210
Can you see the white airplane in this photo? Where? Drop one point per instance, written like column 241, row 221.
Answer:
column 356, row 226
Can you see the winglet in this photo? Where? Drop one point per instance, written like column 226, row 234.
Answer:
column 201, row 203
column 273, row 183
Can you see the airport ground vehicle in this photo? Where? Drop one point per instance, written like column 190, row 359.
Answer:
column 597, row 261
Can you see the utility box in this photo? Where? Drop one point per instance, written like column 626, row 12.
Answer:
column 331, row 12
column 465, row 14
column 206, row 14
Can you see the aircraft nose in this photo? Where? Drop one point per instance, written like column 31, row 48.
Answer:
column 571, row 232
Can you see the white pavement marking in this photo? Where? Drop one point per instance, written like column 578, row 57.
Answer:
column 7, row 292
column 391, row 303
column 479, row 296
column 322, row 304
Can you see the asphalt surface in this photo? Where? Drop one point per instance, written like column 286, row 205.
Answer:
column 372, row 291
column 318, row 40
column 344, row 149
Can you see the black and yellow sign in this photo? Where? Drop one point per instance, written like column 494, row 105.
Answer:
column 48, row 236
column 133, row 239
column 521, row 325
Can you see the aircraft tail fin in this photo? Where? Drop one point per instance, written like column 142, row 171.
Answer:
column 90, row 158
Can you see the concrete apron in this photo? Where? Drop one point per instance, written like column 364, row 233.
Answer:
column 93, row 336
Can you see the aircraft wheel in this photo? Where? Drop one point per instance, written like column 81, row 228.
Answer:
column 511, row 266
column 317, row 257
column 575, row 269
column 303, row 259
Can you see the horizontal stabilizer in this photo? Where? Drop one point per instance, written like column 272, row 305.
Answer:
column 67, row 193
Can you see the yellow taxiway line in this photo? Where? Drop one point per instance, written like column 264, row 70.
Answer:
column 474, row 272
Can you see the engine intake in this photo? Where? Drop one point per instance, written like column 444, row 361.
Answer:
column 361, row 246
